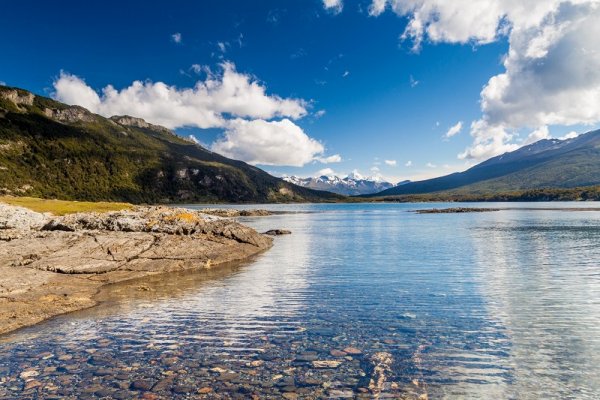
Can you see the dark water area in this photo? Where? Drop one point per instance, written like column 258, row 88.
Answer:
column 361, row 301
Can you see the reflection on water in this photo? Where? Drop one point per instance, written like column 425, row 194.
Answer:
column 361, row 301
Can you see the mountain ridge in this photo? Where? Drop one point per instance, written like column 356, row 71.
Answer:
column 548, row 163
column 351, row 185
column 53, row 150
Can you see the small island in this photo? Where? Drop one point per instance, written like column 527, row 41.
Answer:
column 455, row 210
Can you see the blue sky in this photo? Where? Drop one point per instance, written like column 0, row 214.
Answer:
column 365, row 94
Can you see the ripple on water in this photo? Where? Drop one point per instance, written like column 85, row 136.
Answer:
column 360, row 301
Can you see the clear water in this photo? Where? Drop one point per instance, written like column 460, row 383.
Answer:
column 482, row 305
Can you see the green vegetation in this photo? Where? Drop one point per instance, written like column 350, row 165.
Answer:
column 51, row 150
column 62, row 207
column 564, row 164
column 588, row 193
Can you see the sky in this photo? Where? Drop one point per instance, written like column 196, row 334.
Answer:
column 399, row 89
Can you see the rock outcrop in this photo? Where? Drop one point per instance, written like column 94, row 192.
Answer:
column 70, row 115
column 51, row 265
column 18, row 97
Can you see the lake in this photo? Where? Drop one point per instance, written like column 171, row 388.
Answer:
column 360, row 301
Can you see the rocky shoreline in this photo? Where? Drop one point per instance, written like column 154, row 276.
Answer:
column 53, row 265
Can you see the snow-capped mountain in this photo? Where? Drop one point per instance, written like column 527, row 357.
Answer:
column 351, row 185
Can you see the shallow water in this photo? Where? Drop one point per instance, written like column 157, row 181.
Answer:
column 486, row 305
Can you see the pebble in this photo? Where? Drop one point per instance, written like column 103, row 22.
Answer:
column 205, row 390
column 352, row 351
column 326, row 364
column 32, row 384
column 142, row 385
column 337, row 353
column 28, row 374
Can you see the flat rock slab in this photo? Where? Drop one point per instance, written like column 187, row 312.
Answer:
column 52, row 265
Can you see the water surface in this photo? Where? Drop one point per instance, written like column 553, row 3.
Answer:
column 489, row 305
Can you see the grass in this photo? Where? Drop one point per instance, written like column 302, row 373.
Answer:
column 62, row 207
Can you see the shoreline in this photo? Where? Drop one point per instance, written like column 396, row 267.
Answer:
column 56, row 265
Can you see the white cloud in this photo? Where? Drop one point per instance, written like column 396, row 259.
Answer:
column 326, row 172
column 222, row 46
column 197, row 68
column 345, row 74
column 335, row 6
column 413, row 81
column 488, row 141
column 230, row 100
column 551, row 71
column 391, row 163
column 319, row 113
column 202, row 106
column 375, row 169
column 336, row 158
column 454, row 130
column 538, row 134
column 569, row 135
column 2, row 83
column 71, row 89
column 408, row 163
column 267, row 143
column 176, row 37
column 430, row 165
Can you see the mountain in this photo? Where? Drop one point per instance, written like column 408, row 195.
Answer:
column 52, row 150
column 352, row 185
column 548, row 163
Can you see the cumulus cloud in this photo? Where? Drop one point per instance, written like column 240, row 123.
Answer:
column 408, row 163
column 488, row 141
column 267, row 143
column 202, row 106
column 551, row 71
column 454, row 130
column 257, row 126
column 391, row 163
column 335, row 6
column 430, row 165
column 176, row 37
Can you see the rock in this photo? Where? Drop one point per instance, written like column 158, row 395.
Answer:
column 163, row 384
column 306, row 357
column 182, row 389
column 18, row 97
column 232, row 213
column 106, row 247
column 141, row 385
column 326, row 364
column 278, row 232
column 337, row 353
column 341, row 394
column 352, row 351
column 21, row 219
column 382, row 367
column 30, row 373
column 455, row 210
column 32, row 384
column 205, row 390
